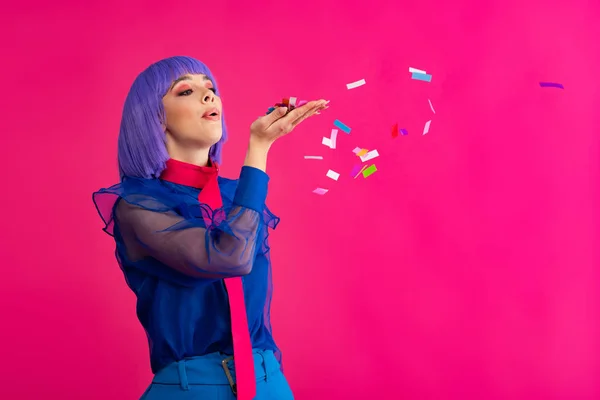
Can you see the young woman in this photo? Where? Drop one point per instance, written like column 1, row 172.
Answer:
column 192, row 245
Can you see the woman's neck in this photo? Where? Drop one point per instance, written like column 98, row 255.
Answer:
column 195, row 157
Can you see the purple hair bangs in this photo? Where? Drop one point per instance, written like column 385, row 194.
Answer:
column 142, row 150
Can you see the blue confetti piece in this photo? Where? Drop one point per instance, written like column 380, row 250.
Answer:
column 421, row 77
column 404, row 132
column 342, row 126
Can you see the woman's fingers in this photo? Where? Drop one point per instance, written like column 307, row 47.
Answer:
column 310, row 113
column 287, row 123
column 274, row 116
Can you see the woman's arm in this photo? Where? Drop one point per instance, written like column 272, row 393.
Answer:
column 228, row 249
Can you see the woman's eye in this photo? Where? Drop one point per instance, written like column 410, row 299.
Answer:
column 186, row 92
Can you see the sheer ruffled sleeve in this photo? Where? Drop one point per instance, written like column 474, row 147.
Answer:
column 152, row 224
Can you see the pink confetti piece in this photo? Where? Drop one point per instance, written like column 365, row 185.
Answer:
column 301, row 103
column 426, row 129
column 313, row 157
column 431, row 106
column 320, row 191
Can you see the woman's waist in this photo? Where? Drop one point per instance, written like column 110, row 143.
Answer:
column 212, row 368
column 168, row 348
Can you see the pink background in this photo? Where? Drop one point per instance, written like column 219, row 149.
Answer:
column 465, row 268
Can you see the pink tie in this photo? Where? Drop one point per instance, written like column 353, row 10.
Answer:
column 242, row 347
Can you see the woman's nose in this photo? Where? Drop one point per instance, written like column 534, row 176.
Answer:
column 208, row 97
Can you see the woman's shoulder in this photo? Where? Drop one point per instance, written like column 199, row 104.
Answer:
column 135, row 187
column 149, row 194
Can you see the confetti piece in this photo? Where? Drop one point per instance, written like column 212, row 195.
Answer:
column 293, row 101
column 333, row 137
column 331, row 142
column 404, row 132
column 313, row 157
column 431, row 106
column 395, row 131
column 362, row 152
column 342, row 126
column 370, row 155
column 361, row 170
column 333, row 175
column 418, row 71
column 301, row 103
column 355, row 170
column 320, row 191
column 552, row 84
column 286, row 102
column 369, row 171
column 426, row 129
column 356, row 84
column 270, row 110
column 421, row 77
column 356, row 150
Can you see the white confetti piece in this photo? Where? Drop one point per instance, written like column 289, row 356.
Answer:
column 418, row 71
column 333, row 175
column 293, row 101
column 313, row 157
column 431, row 106
column 426, row 129
column 320, row 191
column 356, row 84
column 369, row 156
column 331, row 141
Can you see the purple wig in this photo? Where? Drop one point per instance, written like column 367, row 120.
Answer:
column 142, row 151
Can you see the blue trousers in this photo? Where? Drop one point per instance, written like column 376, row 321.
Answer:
column 203, row 378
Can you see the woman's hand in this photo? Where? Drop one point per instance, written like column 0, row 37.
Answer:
column 267, row 129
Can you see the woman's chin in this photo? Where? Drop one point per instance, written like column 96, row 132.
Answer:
column 212, row 133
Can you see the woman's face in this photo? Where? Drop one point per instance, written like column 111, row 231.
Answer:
column 192, row 113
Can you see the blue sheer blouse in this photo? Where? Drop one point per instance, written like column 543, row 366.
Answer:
column 175, row 263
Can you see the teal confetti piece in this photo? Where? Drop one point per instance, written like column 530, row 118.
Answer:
column 342, row 126
column 421, row 77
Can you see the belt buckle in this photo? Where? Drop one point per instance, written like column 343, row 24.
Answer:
column 228, row 374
